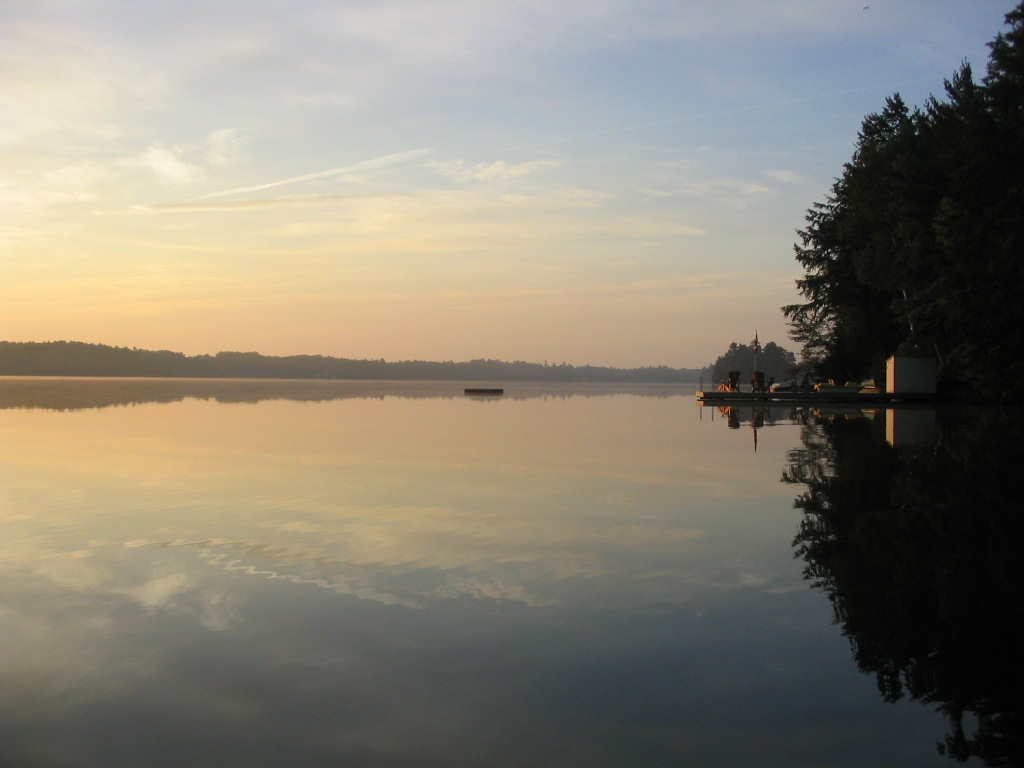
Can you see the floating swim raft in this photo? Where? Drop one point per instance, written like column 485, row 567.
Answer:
column 484, row 391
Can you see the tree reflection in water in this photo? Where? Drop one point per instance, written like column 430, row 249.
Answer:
column 919, row 551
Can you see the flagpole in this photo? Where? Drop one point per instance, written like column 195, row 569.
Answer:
column 757, row 348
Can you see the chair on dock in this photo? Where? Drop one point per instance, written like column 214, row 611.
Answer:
column 757, row 383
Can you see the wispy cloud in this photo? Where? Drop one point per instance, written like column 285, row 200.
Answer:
column 787, row 177
column 498, row 170
column 62, row 184
column 225, row 147
column 581, row 141
column 733, row 193
column 169, row 165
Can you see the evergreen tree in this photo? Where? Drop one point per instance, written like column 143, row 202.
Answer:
column 774, row 361
column 849, row 323
column 917, row 249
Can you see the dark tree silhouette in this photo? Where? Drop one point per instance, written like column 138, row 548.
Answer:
column 917, row 248
column 776, row 363
column 919, row 550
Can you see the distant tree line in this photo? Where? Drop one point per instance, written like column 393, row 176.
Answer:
column 72, row 358
column 919, row 247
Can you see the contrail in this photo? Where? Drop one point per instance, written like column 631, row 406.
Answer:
column 400, row 157
column 377, row 162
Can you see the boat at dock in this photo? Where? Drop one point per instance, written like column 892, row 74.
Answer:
column 907, row 380
column 833, row 394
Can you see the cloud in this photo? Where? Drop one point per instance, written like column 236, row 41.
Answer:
column 62, row 88
column 180, row 165
column 733, row 193
column 76, row 182
column 18, row 233
column 168, row 164
column 478, row 218
column 449, row 33
column 787, row 177
column 225, row 147
column 498, row 170
column 706, row 289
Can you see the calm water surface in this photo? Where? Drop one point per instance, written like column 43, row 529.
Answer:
column 321, row 574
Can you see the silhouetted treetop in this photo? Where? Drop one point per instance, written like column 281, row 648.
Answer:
column 774, row 361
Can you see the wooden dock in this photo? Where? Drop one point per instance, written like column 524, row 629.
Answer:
column 830, row 395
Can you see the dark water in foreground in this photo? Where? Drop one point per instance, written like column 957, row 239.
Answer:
column 322, row 574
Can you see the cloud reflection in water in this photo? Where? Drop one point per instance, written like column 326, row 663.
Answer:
column 412, row 581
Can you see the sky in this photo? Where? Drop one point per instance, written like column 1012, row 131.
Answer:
column 605, row 182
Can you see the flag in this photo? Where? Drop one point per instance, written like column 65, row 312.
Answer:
column 757, row 344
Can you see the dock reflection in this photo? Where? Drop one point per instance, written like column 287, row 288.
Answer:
column 758, row 417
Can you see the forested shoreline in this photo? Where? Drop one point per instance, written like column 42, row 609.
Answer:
column 919, row 247
column 73, row 358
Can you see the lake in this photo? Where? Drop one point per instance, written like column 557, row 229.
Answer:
column 243, row 573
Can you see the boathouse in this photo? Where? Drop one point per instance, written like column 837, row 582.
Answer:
column 906, row 375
